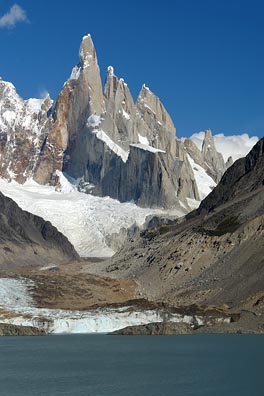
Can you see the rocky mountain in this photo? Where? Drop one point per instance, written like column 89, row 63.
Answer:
column 213, row 256
column 24, row 126
column 26, row 239
column 99, row 136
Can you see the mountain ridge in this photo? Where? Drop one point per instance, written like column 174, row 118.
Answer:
column 99, row 135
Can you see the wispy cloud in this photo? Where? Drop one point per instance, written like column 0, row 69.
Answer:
column 12, row 17
column 43, row 93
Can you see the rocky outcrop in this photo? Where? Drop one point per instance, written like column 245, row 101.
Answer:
column 158, row 328
column 26, row 239
column 7, row 329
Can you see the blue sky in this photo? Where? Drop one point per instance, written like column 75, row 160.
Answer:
column 204, row 59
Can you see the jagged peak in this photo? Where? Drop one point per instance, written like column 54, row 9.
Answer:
column 7, row 84
column 113, row 83
column 147, row 102
column 122, row 82
column 87, row 51
column 145, row 91
column 110, row 71
column 208, row 133
column 208, row 142
column 145, row 87
column 147, row 96
column 229, row 161
column 86, row 36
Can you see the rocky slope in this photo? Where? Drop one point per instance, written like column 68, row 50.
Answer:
column 98, row 135
column 26, row 239
column 213, row 256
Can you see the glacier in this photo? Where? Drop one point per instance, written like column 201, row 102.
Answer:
column 87, row 221
column 16, row 301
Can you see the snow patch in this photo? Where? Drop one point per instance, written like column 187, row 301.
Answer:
column 94, row 121
column 143, row 140
column 204, row 182
column 9, row 116
column 145, row 87
column 192, row 203
column 149, row 108
column 35, row 104
column 110, row 70
column 14, row 294
column 125, row 114
column 75, row 74
column 146, row 147
column 112, row 145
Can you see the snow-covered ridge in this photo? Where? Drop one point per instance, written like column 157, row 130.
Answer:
column 86, row 220
column 15, row 112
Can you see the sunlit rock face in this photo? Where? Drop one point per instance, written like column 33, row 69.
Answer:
column 98, row 135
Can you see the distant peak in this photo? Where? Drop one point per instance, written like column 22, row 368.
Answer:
column 208, row 133
column 145, row 87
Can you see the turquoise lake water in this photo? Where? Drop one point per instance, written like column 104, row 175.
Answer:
column 100, row 365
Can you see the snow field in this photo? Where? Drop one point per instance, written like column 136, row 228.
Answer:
column 86, row 220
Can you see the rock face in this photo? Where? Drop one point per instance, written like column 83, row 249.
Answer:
column 26, row 239
column 213, row 256
column 122, row 149
column 13, row 330
column 97, row 135
column 24, row 126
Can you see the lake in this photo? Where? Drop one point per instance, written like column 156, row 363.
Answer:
column 101, row 365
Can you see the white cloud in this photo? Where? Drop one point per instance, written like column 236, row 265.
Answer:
column 236, row 145
column 43, row 93
column 12, row 17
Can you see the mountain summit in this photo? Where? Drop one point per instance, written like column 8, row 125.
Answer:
column 97, row 135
